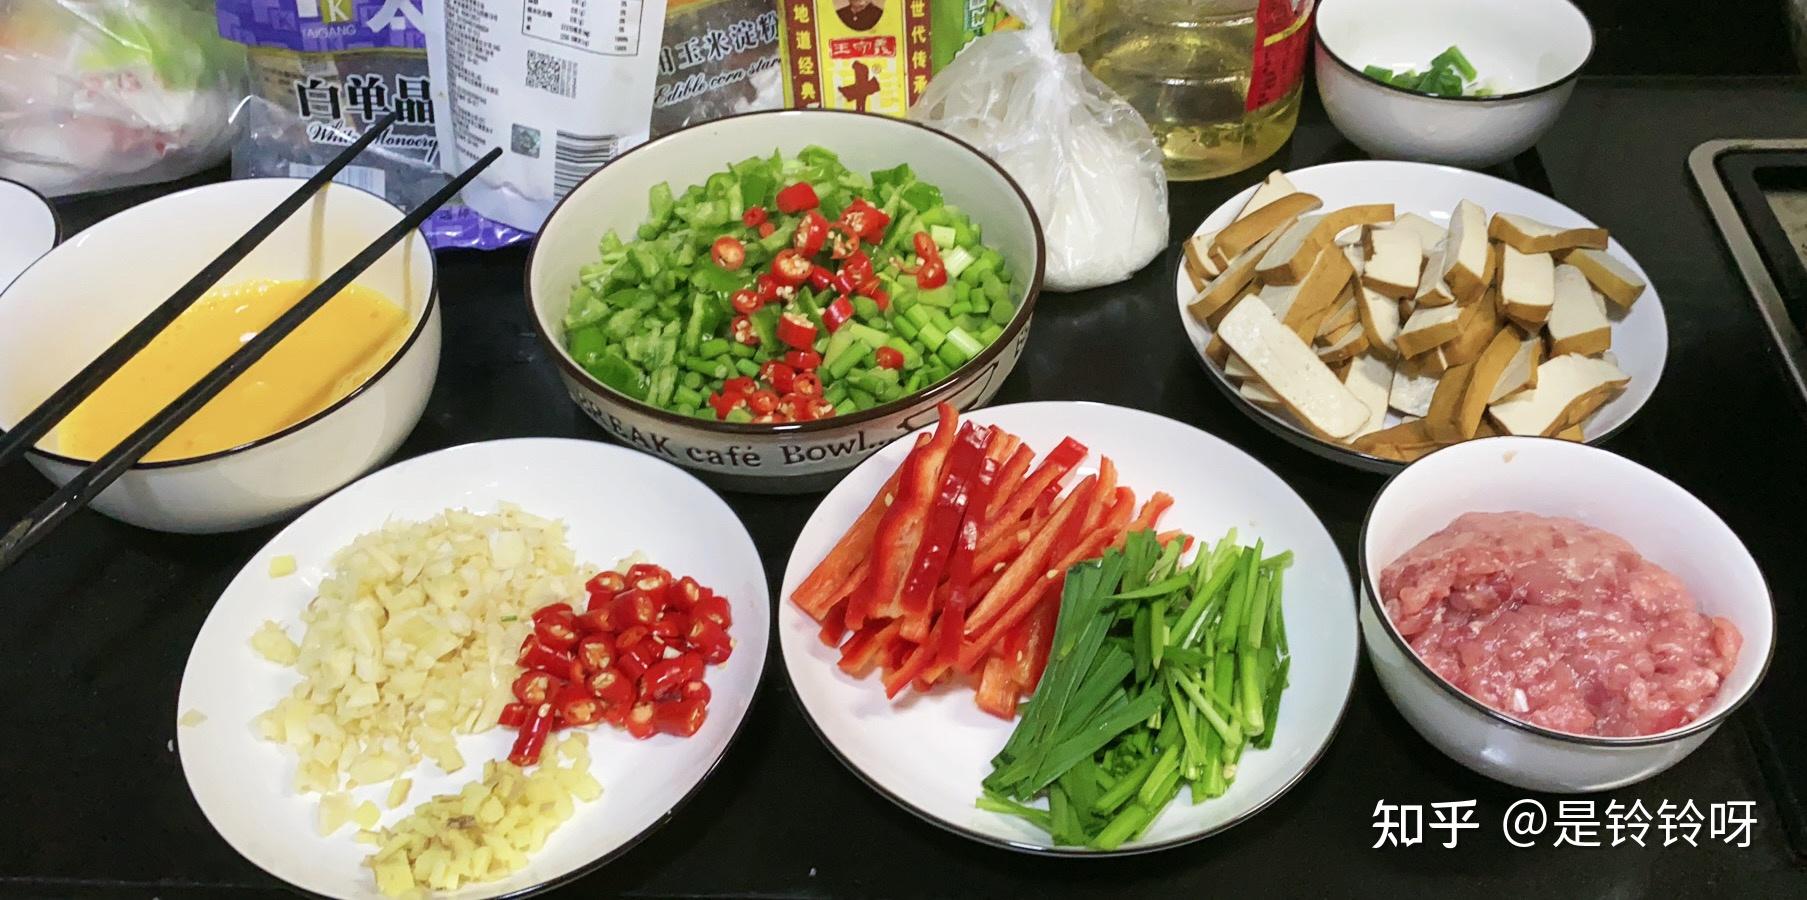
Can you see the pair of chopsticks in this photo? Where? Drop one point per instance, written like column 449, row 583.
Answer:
column 88, row 483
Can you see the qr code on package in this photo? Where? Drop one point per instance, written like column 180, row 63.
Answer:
column 551, row 74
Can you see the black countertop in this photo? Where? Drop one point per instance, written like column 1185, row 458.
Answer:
column 100, row 618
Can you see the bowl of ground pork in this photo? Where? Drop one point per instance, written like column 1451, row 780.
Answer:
column 1555, row 616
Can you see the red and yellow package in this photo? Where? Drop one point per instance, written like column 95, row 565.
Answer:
column 866, row 55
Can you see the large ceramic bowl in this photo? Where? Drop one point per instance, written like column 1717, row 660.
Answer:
column 28, row 229
column 1552, row 477
column 1528, row 51
column 79, row 298
column 799, row 456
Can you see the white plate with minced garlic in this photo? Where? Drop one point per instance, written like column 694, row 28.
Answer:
column 1373, row 338
column 545, row 515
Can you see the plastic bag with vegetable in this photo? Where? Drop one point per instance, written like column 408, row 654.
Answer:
column 98, row 94
column 1084, row 156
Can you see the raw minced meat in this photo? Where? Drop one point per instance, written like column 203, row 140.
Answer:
column 1559, row 624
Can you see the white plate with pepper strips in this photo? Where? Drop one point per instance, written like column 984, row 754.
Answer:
column 480, row 672
column 1070, row 629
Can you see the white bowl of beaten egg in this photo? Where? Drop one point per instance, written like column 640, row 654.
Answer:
column 332, row 400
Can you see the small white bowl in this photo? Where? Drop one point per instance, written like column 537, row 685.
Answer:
column 1528, row 51
column 1666, row 524
column 75, row 301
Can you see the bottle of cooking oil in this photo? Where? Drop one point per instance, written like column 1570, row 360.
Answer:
column 1217, row 80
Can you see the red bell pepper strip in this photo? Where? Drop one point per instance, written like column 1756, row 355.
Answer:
column 1033, row 560
column 532, row 739
column 797, row 198
column 834, row 626
column 1047, row 588
column 1056, row 464
column 998, row 692
column 1010, row 478
column 863, row 649
column 1039, row 640
column 1151, row 511
column 960, row 569
column 836, row 314
column 797, row 331
column 938, row 534
column 899, row 532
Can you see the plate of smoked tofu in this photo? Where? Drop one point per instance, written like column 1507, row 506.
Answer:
column 1374, row 311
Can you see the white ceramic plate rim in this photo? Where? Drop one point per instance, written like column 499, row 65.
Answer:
column 751, row 634
column 18, row 199
column 789, row 617
column 1382, row 171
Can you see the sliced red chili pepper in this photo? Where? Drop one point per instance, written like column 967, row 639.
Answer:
column 576, row 707
column 811, row 234
column 866, row 220
column 762, row 402
column 739, row 385
column 696, row 690
column 778, row 374
column 791, row 268
column 681, row 717
column 684, row 593
column 725, row 403
column 533, row 688
column 632, row 607
column 842, row 241
column 766, row 229
column 532, row 739
column 878, row 296
column 631, row 636
column 672, row 626
column 541, row 658
column 807, row 384
column 820, row 408
column 770, row 418
column 668, row 676
column 888, row 358
column 605, row 584
column 615, row 690
column 743, row 332
column 803, row 360
column 821, row 279
column 837, row 313
column 728, row 252
column 641, row 570
column 640, row 721
column 766, row 287
column 596, row 652
column 653, row 583
column 514, row 715
column 709, row 639
column 634, row 659
column 844, row 283
column 753, row 216
column 558, row 629
column 925, row 245
column 932, row 275
column 550, row 609
column 713, row 608
column 595, row 621
column 796, row 331
column 744, row 302
column 797, row 197
column 859, row 268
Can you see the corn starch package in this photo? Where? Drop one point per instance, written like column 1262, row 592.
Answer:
column 717, row 58
column 873, row 55
column 562, row 86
